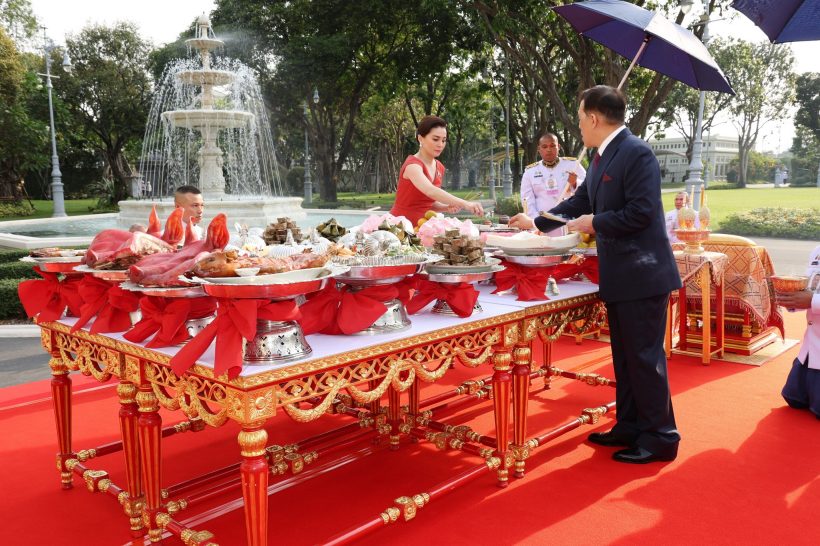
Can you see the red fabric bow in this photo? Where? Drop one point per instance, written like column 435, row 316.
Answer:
column 343, row 311
column 588, row 266
column 166, row 317
column 235, row 320
column 530, row 282
column 49, row 296
column 461, row 298
column 110, row 304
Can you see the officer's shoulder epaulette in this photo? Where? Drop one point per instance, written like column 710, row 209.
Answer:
column 531, row 165
column 569, row 158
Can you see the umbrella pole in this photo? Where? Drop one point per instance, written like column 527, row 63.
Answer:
column 623, row 80
column 635, row 60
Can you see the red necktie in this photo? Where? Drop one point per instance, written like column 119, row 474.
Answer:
column 596, row 159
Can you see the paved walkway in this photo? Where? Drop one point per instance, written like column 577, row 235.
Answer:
column 22, row 358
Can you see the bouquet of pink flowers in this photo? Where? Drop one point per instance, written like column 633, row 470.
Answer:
column 438, row 224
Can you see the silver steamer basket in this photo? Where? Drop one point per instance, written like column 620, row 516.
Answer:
column 377, row 271
column 441, row 306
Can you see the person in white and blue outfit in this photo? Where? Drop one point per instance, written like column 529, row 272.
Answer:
column 802, row 389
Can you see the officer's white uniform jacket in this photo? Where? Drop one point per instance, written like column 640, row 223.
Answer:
column 543, row 186
column 811, row 339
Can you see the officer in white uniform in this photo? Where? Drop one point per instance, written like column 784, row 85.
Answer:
column 802, row 389
column 545, row 182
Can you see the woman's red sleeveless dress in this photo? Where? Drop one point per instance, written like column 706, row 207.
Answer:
column 410, row 202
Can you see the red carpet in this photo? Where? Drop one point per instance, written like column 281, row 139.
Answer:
column 748, row 471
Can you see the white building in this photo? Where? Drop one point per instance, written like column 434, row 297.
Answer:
column 718, row 151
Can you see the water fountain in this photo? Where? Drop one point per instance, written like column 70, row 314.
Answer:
column 208, row 128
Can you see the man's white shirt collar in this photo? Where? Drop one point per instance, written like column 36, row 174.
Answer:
column 608, row 139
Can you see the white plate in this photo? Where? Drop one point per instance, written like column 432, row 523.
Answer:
column 54, row 259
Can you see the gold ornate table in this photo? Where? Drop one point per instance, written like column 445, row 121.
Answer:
column 704, row 271
column 343, row 375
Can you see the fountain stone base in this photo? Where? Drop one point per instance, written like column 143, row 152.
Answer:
column 253, row 211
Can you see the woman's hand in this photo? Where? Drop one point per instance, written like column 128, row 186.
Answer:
column 474, row 207
column 452, row 209
column 794, row 300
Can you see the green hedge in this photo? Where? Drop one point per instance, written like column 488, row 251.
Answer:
column 18, row 271
column 12, row 255
column 775, row 222
column 10, row 306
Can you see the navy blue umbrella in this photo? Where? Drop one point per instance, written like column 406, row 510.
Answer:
column 648, row 39
column 783, row 20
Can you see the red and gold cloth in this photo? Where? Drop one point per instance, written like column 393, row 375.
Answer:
column 235, row 322
column 166, row 318
column 530, row 283
column 461, row 297
column 109, row 305
column 48, row 297
column 587, row 266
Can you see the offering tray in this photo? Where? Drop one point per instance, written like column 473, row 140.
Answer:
column 276, row 287
column 451, row 270
column 534, row 251
column 497, row 228
column 113, row 275
column 373, row 270
column 534, row 260
column 57, row 264
column 165, row 291
column 441, row 306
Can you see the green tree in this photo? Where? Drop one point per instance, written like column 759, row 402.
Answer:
column 806, row 145
column 763, row 79
column 17, row 19
column 22, row 137
column 109, row 93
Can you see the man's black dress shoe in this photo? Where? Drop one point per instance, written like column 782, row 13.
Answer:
column 608, row 439
column 639, row 455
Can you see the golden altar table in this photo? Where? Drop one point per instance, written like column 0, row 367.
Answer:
column 344, row 375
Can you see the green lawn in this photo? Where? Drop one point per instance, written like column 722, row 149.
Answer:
column 44, row 208
column 723, row 203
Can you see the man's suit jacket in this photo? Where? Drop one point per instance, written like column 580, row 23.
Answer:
column 623, row 191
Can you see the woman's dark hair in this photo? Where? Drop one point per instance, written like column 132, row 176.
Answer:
column 607, row 101
column 428, row 123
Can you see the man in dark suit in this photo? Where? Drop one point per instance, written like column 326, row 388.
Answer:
column 621, row 203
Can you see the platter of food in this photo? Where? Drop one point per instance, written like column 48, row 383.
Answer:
column 459, row 277
column 531, row 244
column 461, row 269
column 114, row 275
column 57, row 264
column 297, row 275
column 534, row 260
column 165, row 291
column 283, row 287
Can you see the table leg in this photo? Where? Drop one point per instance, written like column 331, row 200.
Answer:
column 720, row 318
column 394, row 416
column 522, row 359
column 254, row 470
column 130, row 447
column 501, row 405
column 61, row 401
column 667, row 339
column 149, row 433
column 546, row 347
column 682, row 311
column 413, row 406
column 706, row 316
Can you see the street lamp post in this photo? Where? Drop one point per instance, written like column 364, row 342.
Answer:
column 506, row 175
column 308, row 180
column 694, row 180
column 56, row 175
column 491, row 181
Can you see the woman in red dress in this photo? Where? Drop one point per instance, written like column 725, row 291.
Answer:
column 419, row 188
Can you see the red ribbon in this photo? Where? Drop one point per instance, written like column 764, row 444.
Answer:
column 461, row 298
column 530, row 282
column 235, row 320
column 343, row 311
column 588, row 266
column 110, row 304
column 48, row 297
column 166, row 317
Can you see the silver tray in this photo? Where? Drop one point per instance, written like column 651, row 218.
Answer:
column 104, row 274
column 534, row 251
column 449, row 269
column 456, row 278
column 497, row 228
column 553, row 259
column 384, row 273
column 165, row 291
column 60, row 266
